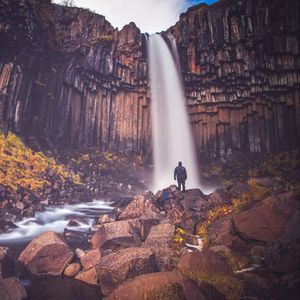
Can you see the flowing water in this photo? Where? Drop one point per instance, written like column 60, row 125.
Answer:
column 172, row 138
column 55, row 218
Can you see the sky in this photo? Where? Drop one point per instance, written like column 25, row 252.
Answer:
column 149, row 15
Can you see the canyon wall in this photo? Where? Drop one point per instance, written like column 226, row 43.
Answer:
column 70, row 80
column 240, row 61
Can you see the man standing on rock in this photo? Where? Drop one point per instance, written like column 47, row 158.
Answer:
column 180, row 174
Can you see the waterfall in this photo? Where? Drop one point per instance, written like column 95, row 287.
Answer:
column 172, row 138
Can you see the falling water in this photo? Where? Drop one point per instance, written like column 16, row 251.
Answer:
column 172, row 139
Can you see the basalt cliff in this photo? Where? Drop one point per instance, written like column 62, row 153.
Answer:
column 68, row 79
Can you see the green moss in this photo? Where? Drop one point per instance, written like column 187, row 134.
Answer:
column 169, row 291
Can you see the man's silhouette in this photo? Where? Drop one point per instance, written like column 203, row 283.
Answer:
column 180, row 175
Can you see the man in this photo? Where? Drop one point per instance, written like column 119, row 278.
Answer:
column 180, row 174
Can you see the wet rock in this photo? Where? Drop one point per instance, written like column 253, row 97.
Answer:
column 90, row 259
column 12, row 289
column 162, row 285
column 104, row 219
column 116, row 234
column 72, row 270
column 192, row 199
column 266, row 221
column 115, row 268
column 6, row 263
column 46, row 254
column 140, row 207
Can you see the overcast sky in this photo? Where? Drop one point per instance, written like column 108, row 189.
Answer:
column 149, row 15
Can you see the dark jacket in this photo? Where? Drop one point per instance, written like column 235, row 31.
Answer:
column 180, row 173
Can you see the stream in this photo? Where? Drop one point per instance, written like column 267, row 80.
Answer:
column 58, row 219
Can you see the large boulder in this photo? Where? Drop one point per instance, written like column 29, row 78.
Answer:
column 115, row 268
column 12, row 289
column 140, row 207
column 204, row 262
column 46, row 254
column 90, row 259
column 160, row 241
column 162, row 285
column 115, row 235
column 221, row 232
column 219, row 197
column 6, row 263
column 192, row 199
column 283, row 255
column 266, row 220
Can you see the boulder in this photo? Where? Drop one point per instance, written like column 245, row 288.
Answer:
column 282, row 255
column 266, row 220
column 12, row 289
column 219, row 197
column 72, row 270
column 119, row 234
column 162, row 285
column 238, row 189
column 46, row 254
column 6, row 263
column 115, row 268
column 88, row 276
column 221, row 231
column 192, row 199
column 160, row 240
column 90, row 259
column 79, row 253
column 140, row 207
column 206, row 262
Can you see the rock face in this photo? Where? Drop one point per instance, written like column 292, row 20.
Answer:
column 267, row 220
column 46, row 254
column 68, row 78
column 240, row 62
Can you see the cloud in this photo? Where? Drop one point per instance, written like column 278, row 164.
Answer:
column 149, row 15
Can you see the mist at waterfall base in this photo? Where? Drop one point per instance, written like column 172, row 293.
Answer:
column 172, row 138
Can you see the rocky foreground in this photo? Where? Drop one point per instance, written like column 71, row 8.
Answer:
column 240, row 242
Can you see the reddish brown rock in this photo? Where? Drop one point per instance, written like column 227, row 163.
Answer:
column 140, row 207
column 117, row 234
column 46, row 254
column 221, row 232
column 90, row 259
column 6, row 263
column 160, row 240
column 72, row 270
column 163, row 285
column 206, row 262
column 12, row 289
column 266, row 221
column 115, row 268
column 88, row 276
column 219, row 197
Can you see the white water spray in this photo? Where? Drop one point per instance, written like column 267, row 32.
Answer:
column 172, row 139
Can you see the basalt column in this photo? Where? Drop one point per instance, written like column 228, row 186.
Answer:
column 240, row 62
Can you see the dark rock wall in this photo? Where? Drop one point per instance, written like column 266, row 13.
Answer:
column 69, row 79
column 240, row 61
